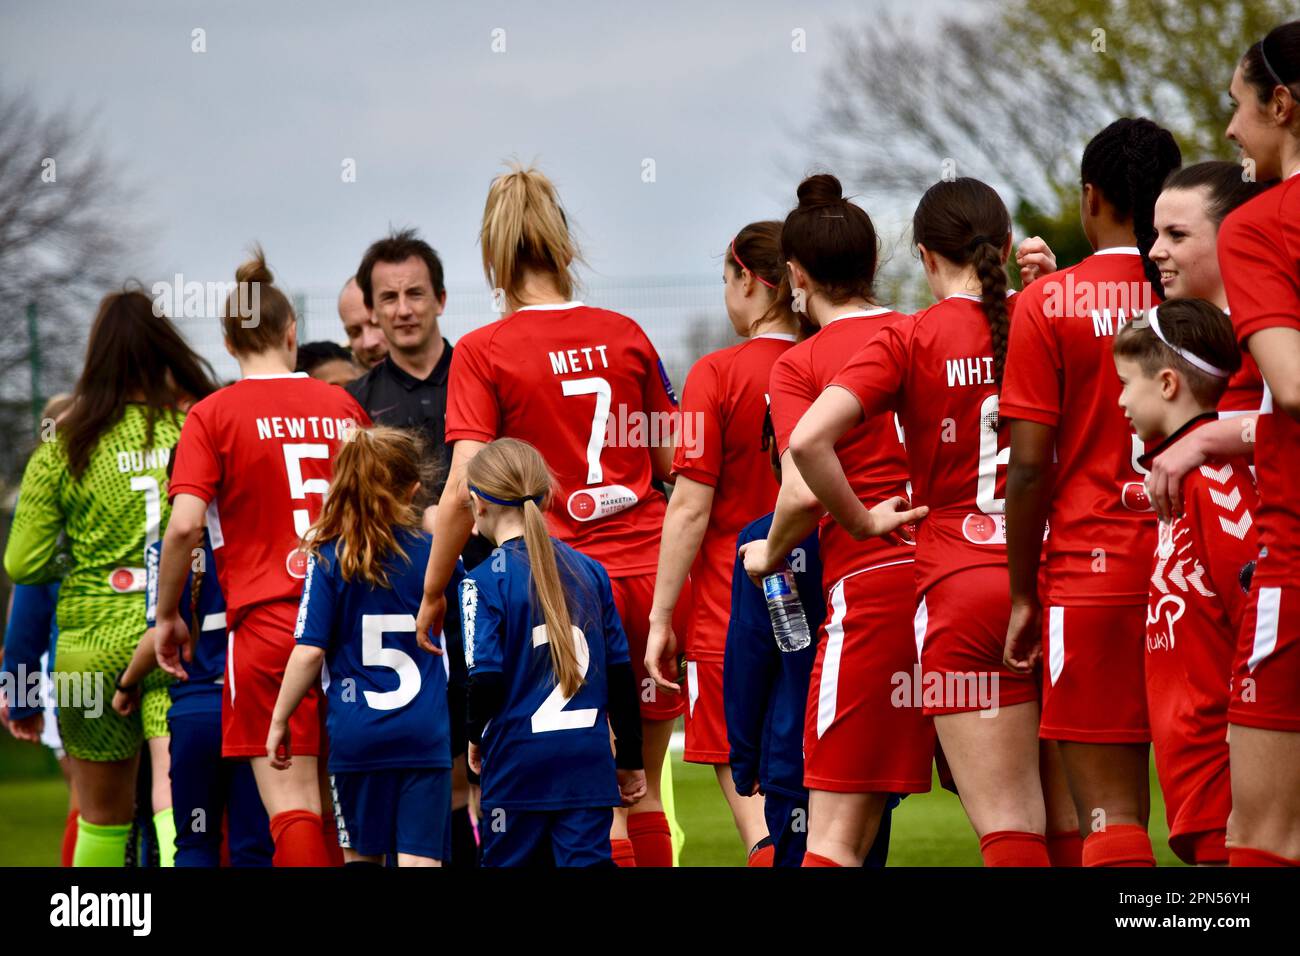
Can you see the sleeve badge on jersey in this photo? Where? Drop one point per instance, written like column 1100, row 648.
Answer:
column 668, row 384
column 468, row 611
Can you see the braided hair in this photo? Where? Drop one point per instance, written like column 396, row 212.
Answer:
column 1128, row 161
column 965, row 221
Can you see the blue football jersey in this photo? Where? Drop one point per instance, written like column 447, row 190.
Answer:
column 543, row 751
column 201, row 693
column 765, row 691
column 31, row 634
column 386, row 697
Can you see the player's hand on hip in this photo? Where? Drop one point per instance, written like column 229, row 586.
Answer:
column 758, row 563
column 888, row 516
column 279, row 750
column 172, row 644
column 661, row 642
column 1024, row 645
column 631, row 786
column 429, row 621
column 1035, row 259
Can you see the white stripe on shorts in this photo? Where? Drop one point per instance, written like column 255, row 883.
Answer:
column 692, row 686
column 1055, row 642
column 1266, row 615
column 920, row 624
column 830, row 682
column 230, row 665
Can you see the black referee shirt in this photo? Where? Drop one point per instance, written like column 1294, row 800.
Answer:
column 394, row 397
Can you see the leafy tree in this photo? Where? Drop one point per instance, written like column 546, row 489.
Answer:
column 1010, row 91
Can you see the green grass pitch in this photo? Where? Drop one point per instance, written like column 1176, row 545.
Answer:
column 929, row 829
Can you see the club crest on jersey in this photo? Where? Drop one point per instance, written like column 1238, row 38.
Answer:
column 295, row 562
column 127, row 580
column 1165, row 539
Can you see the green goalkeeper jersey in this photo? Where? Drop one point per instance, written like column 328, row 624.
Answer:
column 109, row 515
column 104, row 520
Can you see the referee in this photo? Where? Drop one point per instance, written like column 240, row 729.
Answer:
column 401, row 280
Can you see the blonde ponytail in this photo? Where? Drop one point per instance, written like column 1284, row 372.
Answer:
column 512, row 470
column 551, row 596
column 525, row 229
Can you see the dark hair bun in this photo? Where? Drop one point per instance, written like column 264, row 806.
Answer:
column 255, row 269
column 822, row 189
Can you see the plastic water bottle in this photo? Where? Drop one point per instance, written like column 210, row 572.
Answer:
column 789, row 623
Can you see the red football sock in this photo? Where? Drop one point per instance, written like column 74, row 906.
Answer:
column 1014, row 848
column 651, row 838
column 1065, row 848
column 762, row 855
column 1120, row 844
column 330, row 833
column 298, row 839
column 69, row 839
column 622, row 852
column 812, row 859
column 1249, row 856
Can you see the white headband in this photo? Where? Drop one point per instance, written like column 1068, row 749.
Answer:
column 1185, row 355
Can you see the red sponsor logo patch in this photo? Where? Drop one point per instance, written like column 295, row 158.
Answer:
column 980, row 529
column 1135, row 497
column 583, row 505
column 121, row 580
column 296, row 563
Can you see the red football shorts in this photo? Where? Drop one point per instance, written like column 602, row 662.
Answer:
column 1095, row 670
column 857, row 737
column 1266, row 675
column 257, row 650
column 634, row 596
column 961, row 632
column 706, row 721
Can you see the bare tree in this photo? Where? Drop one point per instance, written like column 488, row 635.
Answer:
column 62, row 238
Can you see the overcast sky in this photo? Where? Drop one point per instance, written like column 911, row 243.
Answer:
column 247, row 140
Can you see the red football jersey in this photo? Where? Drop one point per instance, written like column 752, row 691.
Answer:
column 872, row 453
column 1060, row 372
column 935, row 369
column 1245, row 391
column 1194, row 609
column 726, row 398
column 1259, row 256
column 261, row 453
column 586, row 387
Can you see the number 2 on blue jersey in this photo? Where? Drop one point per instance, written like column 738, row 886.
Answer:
column 551, row 715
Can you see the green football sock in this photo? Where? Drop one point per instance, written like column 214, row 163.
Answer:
column 164, row 827
column 100, row 845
